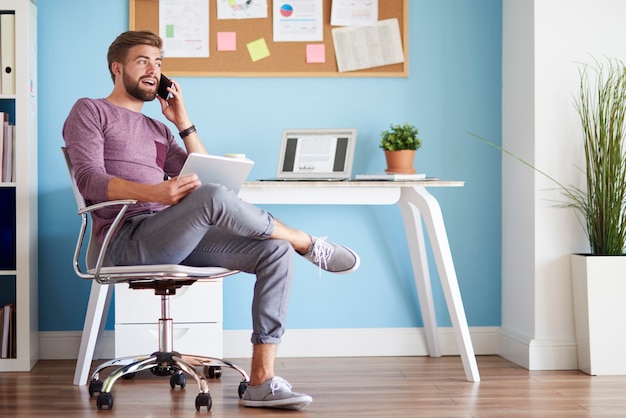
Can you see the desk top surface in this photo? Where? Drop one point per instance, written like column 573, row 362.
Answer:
column 355, row 183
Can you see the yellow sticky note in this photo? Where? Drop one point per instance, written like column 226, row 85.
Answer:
column 258, row 49
column 226, row 41
column 315, row 53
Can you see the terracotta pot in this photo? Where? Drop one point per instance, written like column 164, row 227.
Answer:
column 400, row 162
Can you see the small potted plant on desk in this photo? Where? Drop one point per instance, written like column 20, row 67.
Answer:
column 400, row 143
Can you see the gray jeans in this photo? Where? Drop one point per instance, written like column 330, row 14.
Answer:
column 213, row 227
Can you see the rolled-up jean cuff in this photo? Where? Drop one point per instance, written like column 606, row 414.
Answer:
column 264, row 339
column 270, row 226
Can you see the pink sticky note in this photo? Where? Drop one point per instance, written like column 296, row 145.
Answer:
column 226, row 41
column 315, row 53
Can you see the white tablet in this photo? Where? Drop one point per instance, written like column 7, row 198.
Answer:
column 230, row 172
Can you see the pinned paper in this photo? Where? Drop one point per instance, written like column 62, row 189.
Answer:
column 258, row 50
column 315, row 53
column 226, row 41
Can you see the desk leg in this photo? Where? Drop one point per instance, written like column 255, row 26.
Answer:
column 428, row 206
column 99, row 299
column 417, row 250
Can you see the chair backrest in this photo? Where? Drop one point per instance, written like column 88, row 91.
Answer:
column 80, row 202
column 93, row 247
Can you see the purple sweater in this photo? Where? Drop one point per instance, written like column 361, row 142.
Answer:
column 106, row 141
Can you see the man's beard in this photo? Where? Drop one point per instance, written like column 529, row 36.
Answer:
column 134, row 89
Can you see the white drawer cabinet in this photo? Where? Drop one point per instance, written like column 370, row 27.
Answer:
column 198, row 339
column 196, row 311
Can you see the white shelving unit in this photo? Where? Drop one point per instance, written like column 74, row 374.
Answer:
column 18, row 282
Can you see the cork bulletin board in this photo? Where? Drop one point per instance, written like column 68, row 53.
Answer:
column 286, row 59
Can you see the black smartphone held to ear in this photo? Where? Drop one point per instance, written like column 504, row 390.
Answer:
column 164, row 83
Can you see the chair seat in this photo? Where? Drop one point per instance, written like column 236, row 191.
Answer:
column 116, row 274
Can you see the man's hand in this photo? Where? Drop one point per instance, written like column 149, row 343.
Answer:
column 169, row 192
column 174, row 108
column 172, row 191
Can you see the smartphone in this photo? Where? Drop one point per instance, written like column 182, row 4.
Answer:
column 164, row 83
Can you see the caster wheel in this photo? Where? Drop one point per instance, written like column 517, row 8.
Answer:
column 242, row 388
column 106, row 400
column 95, row 386
column 204, row 399
column 178, row 379
column 214, row 372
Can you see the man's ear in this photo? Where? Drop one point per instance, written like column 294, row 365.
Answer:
column 116, row 68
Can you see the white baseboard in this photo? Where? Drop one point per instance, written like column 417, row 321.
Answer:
column 64, row 345
column 538, row 354
column 532, row 354
column 352, row 342
column 365, row 342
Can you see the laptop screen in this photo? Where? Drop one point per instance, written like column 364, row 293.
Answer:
column 316, row 153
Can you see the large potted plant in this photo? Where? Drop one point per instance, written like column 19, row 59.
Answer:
column 400, row 143
column 599, row 278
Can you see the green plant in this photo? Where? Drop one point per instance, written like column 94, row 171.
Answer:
column 400, row 137
column 601, row 205
column 602, row 110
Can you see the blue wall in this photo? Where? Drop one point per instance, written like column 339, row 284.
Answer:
column 453, row 87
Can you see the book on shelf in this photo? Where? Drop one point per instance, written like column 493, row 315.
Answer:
column 2, row 345
column 7, row 151
column 7, row 53
column 13, row 334
column 2, row 149
column 7, row 331
column 9, row 139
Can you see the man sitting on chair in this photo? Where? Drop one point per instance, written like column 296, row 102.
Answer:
column 119, row 153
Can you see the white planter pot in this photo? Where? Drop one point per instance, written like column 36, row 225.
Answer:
column 599, row 290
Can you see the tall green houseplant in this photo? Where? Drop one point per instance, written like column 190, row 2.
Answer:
column 602, row 108
column 601, row 204
column 598, row 285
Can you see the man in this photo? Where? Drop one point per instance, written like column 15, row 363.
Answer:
column 119, row 153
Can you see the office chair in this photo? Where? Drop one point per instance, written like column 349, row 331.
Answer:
column 163, row 279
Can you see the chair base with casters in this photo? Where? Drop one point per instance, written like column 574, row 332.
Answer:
column 164, row 279
column 165, row 361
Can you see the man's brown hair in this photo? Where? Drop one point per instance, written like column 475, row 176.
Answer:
column 118, row 51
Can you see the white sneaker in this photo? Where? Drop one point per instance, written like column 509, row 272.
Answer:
column 331, row 257
column 274, row 393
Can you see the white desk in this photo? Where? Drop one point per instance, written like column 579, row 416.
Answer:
column 413, row 200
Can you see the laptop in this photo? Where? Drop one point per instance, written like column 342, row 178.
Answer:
column 230, row 172
column 315, row 155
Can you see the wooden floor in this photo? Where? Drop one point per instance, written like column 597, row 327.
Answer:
column 341, row 387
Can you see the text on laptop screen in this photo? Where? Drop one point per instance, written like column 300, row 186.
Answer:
column 320, row 154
